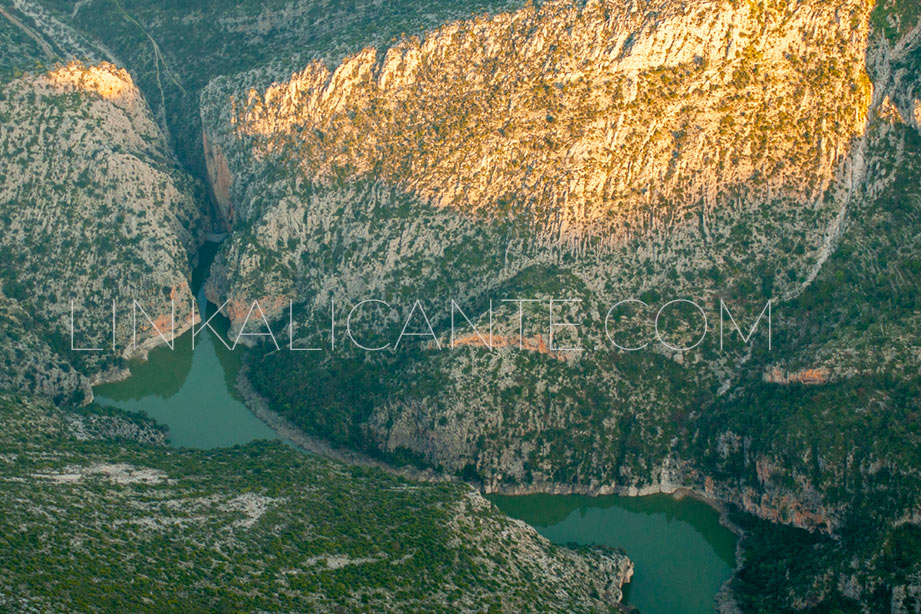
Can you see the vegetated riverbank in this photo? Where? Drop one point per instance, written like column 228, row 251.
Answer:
column 693, row 571
column 314, row 445
column 188, row 391
column 202, row 259
column 259, row 405
column 724, row 602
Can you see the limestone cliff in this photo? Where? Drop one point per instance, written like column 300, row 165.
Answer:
column 643, row 135
column 715, row 150
column 605, row 118
column 94, row 210
column 599, row 151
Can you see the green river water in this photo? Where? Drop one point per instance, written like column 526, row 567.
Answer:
column 190, row 392
column 681, row 552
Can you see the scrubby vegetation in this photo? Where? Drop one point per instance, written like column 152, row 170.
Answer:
column 557, row 150
column 94, row 520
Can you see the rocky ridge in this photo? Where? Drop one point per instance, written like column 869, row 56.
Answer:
column 394, row 175
column 602, row 119
column 96, row 211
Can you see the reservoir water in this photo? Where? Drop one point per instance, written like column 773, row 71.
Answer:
column 192, row 393
column 681, row 552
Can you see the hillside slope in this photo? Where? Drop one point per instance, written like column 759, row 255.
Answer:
column 148, row 528
column 715, row 151
column 95, row 210
column 737, row 151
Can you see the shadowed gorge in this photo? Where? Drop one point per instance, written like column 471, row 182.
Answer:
column 565, row 261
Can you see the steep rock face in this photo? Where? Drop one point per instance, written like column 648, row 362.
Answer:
column 605, row 119
column 637, row 148
column 704, row 150
column 220, row 179
column 95, row 211
column 173, row 52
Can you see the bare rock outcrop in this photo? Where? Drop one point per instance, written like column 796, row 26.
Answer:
column 95, row 211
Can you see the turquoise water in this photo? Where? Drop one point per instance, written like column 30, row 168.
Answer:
column 681, row 553
column 190, row 392
column 198, row 407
